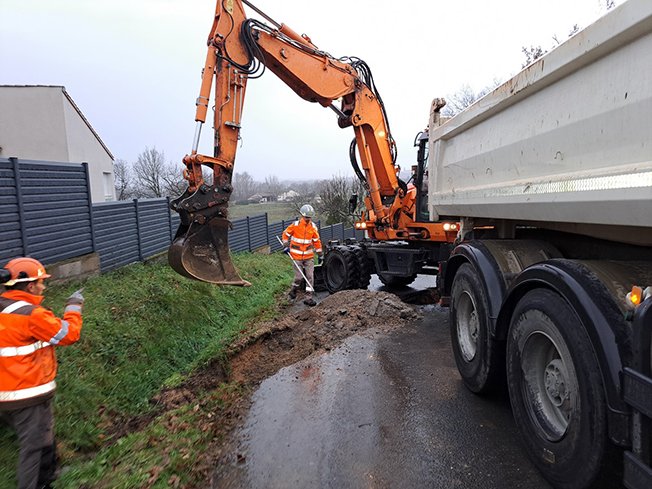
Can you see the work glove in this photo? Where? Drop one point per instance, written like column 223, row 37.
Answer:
column 76, row 299
column 286, row 250
column 320, row 259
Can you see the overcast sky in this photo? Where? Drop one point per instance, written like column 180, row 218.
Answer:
column 133, row 67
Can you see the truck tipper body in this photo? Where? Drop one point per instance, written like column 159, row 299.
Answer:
column 550, row 178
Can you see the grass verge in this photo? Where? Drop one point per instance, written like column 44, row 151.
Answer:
column 146, row 328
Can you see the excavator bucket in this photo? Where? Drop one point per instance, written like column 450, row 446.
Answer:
column 201, row 252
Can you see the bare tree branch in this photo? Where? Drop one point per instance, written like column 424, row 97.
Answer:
column 149, row 170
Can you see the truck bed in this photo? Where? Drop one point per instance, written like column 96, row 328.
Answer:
column 567, row 140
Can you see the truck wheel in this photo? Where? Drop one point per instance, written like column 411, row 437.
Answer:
column 340, row 269
column 396, row 281
column 556, row 391
column 478, row 357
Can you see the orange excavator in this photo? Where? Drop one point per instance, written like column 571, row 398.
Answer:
column 241, row 48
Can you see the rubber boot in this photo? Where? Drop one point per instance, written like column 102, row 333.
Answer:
column 293, row 293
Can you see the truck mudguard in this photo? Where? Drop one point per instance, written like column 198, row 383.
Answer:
column 482, row 260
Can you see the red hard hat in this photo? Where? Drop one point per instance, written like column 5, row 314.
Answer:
column 25, row 270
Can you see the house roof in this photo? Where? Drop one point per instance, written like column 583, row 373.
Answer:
column 72, row 102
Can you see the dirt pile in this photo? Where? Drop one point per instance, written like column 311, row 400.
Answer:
column 293, row 337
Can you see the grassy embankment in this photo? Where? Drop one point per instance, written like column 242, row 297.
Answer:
column 145, row 328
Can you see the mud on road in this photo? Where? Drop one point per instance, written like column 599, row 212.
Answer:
column 270, row 347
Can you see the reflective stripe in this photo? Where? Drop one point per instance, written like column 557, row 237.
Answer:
column 15, row 351
column 299, row 252
column 61, row 334
column 72, row 308
column 16, row 305
column 299, row 240
column 28, row 393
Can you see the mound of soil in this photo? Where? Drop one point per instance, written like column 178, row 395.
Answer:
column 295, row 336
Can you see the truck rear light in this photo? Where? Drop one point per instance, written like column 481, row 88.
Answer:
column 638, row 295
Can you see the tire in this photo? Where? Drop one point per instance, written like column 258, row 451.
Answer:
column 479, row 357
column 556, row 391
column 364, row 267
column 340, row 269
column 395, row 281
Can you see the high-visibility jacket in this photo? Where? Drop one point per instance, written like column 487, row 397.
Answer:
column 302, row 237
column 28, row 334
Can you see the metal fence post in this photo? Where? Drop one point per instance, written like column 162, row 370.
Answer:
column 267, row 228
column 90, row 204
column 140, row 245
column 248, row 234
column 19, row 202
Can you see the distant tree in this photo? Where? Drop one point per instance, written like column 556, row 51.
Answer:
column 149, row 169
column 244, row 186
column 173, row 182
column 609, row 4
column 272, row 185
column 123, row 180
column 532, row 54
column 464, row 97
column 333, row 205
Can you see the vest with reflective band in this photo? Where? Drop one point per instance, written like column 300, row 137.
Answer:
column 303, row 237
column 28, row 333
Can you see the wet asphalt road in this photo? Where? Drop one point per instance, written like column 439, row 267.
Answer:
column 384, row 410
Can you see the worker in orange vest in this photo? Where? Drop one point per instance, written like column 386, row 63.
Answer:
column 300, row 239
column 28, row 366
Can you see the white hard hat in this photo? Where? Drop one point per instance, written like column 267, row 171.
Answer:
column 307, row 211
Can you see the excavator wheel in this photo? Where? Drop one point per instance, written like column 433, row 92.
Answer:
column 365, row 267
column 341, row 269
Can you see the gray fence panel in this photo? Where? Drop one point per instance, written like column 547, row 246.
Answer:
column 153, row 226
column 239, row 235
column 116, row 234
column 276, row 229
column 45, row 210
column 258, row 231
column 11, row 243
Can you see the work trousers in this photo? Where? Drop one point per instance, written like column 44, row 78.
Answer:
column 308, row 269
column 34, row 427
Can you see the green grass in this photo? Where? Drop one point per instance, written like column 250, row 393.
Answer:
column 276, row 211
column 145, row 327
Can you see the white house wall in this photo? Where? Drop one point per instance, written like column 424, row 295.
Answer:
column 83, row 146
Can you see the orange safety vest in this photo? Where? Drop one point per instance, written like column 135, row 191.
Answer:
column 28, row 334
column 302, row 237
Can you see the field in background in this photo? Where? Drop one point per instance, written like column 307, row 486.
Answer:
column 276, row 211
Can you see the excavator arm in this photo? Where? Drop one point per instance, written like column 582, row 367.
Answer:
column 240, row 48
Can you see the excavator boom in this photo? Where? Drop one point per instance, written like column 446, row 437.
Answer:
column 240, row 48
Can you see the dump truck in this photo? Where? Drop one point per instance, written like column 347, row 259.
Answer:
column 550, row 178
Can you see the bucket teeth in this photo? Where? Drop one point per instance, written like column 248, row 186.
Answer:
column 201, row 252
